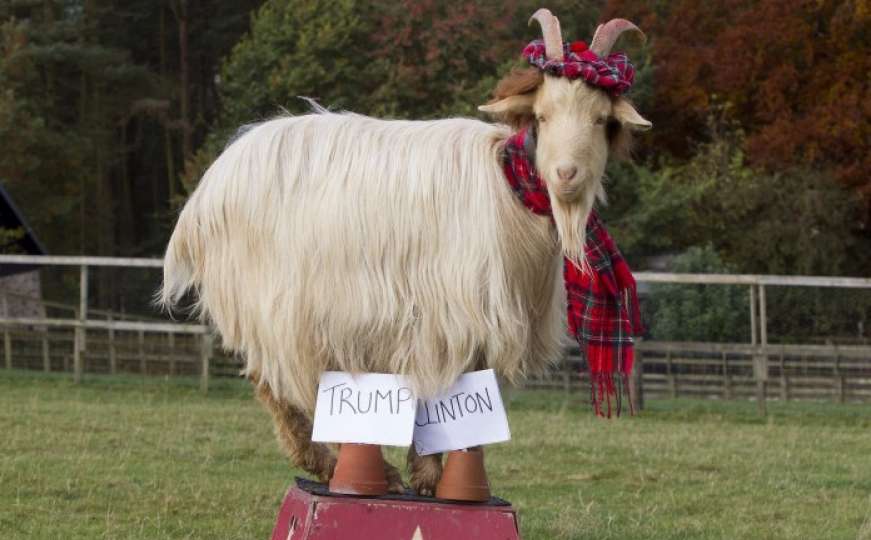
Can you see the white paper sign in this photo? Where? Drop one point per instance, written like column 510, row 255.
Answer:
column 368, row 408
column 469, row 414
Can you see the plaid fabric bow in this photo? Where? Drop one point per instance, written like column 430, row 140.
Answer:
column 602, row 302
column 614, row 73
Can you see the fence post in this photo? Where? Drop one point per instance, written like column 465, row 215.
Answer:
column 66, row 357
column 672, row 378
column 839, row 380
column 141, row 341
column 205, row 357
column 6, row 340
column 784, row 380
column 7, row 347
column 46, row 353
column 113, row 355
column 79, row 343
column 760, row 359
column 727, row 378
column 170, row 336
column 753, row 325
column 636, row 379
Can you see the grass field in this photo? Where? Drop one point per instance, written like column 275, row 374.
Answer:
column 151, row 458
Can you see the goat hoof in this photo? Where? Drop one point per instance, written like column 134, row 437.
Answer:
column 326, row 469
column 394, row 479
column 425, row 487
column 396, row 487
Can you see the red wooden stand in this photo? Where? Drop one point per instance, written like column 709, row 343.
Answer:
column 309, row 516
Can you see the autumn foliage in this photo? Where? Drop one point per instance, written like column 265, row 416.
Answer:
column 760, row 110
column 793, row 74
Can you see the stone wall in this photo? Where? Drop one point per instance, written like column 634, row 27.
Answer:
column 21, row 295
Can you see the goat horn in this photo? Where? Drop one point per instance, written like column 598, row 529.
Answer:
column 606, row 35
column 550, row 30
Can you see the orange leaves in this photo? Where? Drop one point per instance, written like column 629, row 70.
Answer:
column 792, row 74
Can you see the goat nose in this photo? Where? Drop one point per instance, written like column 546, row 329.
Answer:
column 567, row 173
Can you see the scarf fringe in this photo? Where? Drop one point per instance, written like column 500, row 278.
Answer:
column 610, row 383
column 607, row 392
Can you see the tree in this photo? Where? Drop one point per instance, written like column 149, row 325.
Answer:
column 94, row 112
column 796, row 221
column 792, row 74
column 404, row 59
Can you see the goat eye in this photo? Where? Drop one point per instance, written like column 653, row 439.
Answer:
column 539, row 118
column 601, row 121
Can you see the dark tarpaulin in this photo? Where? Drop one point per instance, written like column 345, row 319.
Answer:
column 11, row 218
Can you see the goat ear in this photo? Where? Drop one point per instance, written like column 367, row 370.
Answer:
column 517, row 104
column 626, row 114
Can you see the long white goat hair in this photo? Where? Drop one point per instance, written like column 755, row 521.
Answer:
column 341, row 242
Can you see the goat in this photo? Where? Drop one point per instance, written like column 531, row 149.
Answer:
column 340, row 242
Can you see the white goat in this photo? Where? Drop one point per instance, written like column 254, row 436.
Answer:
column 340, row 242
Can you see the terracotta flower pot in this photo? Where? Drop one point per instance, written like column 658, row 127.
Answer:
column 359, row 470
column 464, row 477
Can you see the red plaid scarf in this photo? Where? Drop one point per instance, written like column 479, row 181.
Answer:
column 602, row 302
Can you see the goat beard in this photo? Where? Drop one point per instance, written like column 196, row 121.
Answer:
column 571, row 226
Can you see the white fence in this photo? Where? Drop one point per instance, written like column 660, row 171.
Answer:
column 759, row 350
column 81, row 322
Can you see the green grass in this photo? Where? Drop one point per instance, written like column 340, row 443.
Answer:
column 129, row 457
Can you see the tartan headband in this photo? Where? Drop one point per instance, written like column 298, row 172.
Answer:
column 613, row 73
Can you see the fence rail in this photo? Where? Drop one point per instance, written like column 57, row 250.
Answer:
column 727, row 371
column 81, row 323
column 756, row 369
column 754, row 279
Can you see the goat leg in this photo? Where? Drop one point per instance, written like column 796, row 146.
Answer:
column 394, row 479
column 293, row 430
column 425, row 472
